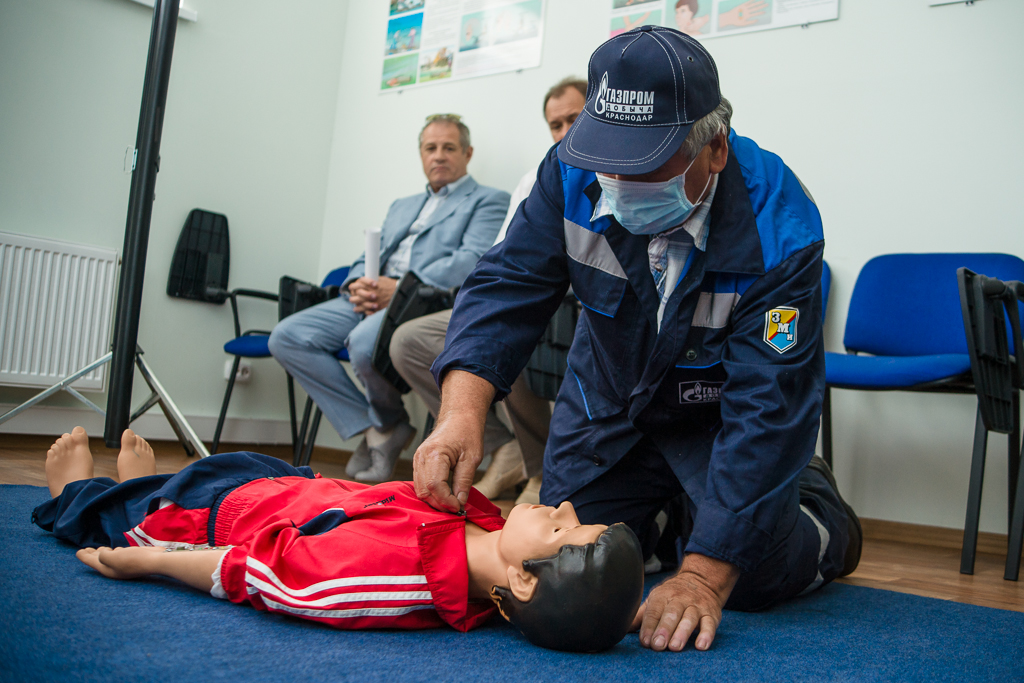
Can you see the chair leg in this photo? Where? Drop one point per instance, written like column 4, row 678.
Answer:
column 1016, row 538
column 314, row 427
column 1016, row 526
column 974, row 496
column 301, row 440
column 826, row 427
column 1013, row 458
column 224, row 406
column 291, row 413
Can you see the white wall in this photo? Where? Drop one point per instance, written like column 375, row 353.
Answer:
column 902, row 119
column 250, row 114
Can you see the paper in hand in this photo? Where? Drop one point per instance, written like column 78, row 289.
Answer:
column 373, row 253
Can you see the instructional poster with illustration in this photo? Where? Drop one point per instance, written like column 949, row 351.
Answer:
column 716, row 18
column 431, row 41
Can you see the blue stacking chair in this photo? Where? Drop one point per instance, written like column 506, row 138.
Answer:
column 905, row 312
column 255, row 344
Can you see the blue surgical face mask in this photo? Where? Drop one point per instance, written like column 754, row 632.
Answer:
column 648, row 208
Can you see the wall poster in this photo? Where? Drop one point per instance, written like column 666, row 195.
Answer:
column 715, row 18
column 432, row 41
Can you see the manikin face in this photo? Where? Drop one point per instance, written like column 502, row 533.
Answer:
column 444, row 159
column 536, row 531
column 561, row 111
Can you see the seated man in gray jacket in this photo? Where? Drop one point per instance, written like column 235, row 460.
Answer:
column 439, row 235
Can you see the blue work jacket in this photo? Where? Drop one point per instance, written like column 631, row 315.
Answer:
column 729, row 389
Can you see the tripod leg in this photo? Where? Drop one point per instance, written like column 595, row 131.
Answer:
column 66, row 382
column 186, row 435
column 974, row 496
column 224, row 405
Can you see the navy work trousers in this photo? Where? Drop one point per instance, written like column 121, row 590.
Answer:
column 806, row 551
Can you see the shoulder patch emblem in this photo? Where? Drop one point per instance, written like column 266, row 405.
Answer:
column 780, row 328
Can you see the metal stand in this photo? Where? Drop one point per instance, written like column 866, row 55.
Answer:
column 140, row 213
column 182, row 429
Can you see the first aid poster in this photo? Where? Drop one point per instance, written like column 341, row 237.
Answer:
column 433, row 41
column 717, row 18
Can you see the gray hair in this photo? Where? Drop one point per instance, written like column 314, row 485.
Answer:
column 454, row 120
column 705, row 129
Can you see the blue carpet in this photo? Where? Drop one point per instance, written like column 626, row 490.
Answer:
column 61, row 621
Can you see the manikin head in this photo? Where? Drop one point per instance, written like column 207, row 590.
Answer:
column 571, row 587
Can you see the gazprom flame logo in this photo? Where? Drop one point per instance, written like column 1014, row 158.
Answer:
column 635, row 106
column 600, row 104
column 700, row 392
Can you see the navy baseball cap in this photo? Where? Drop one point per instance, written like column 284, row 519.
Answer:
column 645, row 90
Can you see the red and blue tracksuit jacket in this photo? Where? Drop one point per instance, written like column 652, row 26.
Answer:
column 340, row 552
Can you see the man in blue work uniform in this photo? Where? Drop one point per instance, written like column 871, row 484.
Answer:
column 698, row 365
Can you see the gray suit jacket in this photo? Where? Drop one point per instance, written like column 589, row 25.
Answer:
column 457, row 234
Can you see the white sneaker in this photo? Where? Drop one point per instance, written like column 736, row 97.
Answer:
column 384, row 457
column 530, row 494
column 359, row 460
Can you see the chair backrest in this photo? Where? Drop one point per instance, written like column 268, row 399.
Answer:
column 335, row 277
column 826, row 286
column 995, row 374
column 909, row 304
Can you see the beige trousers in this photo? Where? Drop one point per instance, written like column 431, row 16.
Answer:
column 413, row 349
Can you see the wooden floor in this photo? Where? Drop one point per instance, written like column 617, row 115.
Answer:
column 898, row 557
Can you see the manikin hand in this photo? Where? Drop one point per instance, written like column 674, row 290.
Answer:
column 194, row 568
column 745, row 14
column 121, row 563
column 689, row 601
column 369, row 296
column 456, row 444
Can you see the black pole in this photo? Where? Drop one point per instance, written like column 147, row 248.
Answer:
column 140, row 212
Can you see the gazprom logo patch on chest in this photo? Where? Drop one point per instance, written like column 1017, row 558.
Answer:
column 700, row 392
column 780, row 328
column 635, row 106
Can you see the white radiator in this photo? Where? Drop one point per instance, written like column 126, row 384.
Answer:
column 56, row 308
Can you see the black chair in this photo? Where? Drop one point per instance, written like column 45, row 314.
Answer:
column 998, row 374
column 255, row 344
column 412, row 299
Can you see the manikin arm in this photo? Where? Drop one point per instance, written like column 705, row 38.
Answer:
column 194, row 568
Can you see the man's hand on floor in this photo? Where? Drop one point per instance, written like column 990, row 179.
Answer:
column 690, row 601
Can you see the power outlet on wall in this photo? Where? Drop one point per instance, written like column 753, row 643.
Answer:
column 244, row 373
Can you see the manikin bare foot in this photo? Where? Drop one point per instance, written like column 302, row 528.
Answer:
column 136, row 458
column 69, row 459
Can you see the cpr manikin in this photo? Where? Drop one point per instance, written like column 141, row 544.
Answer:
column 343, row 553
